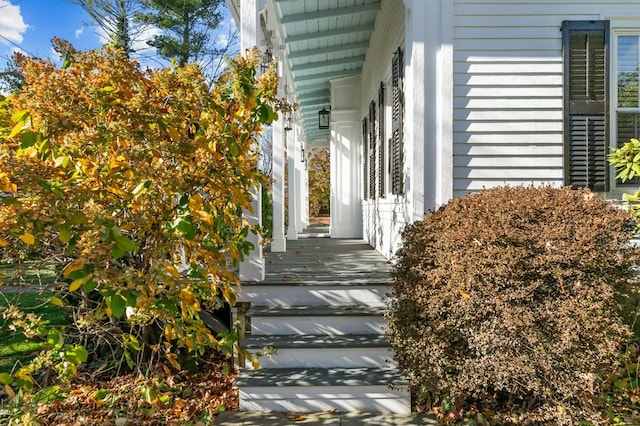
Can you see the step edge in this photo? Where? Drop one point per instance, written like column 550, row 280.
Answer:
column 302, row 341
column 316, row 310
column 309, row 377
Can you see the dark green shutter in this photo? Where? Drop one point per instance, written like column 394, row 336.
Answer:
column 372, row 149
column 381, row 158
column 585, row 47
column 397, row 125
column 365, row 159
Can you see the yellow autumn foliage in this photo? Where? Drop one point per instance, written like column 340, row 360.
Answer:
column 128, row 176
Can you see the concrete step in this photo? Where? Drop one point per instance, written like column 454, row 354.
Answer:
column 322, row 351
column 327, row 320
column 237, row 418
column 380, row 390
column 316, row 293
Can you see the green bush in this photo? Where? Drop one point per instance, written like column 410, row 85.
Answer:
column 507, row 301
column 267, row 213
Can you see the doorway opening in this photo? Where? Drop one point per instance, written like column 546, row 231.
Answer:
column 319, row 172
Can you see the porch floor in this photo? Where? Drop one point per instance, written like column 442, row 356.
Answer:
column 314, row 257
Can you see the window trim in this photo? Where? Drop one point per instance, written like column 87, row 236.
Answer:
column 617, row 29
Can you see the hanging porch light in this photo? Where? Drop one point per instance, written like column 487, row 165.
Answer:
column 324, row 116
column 267, row 58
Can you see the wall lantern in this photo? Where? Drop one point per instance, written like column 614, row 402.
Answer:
column 303, row 157
column 267, row 58
column 323, row 118
column 288, row 121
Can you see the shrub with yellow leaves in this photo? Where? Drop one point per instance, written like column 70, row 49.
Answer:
column 133, row 181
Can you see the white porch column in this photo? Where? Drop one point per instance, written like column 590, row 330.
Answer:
column 305, row 191
column 299, row 192
column 252, row 268
column 429, row 125
column 278, row 244
column 444, row 107
column 345, row 151
column 417, row 166
column 292, row 194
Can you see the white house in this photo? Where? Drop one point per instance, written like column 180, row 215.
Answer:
column 432, row 99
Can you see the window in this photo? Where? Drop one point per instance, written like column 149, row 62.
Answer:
column 586, row 99
column 627, row 104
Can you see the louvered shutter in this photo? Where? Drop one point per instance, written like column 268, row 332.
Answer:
column 365, row 159
column 372, row 149
column 397, row 126
column 586, row 103
column 380, row 141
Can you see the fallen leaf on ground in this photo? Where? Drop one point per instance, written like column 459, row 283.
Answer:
column 298, row 418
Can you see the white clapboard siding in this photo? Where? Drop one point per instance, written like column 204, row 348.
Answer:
column 511, row 104
column 518, row 21
column 507, row 94
column 552, row 68
column 508, row 173
column 511, row 150
column 498, row 92
column 384, row 218
column 507, row 126
column 508, row 114
column 508, row 162
column 469, row 139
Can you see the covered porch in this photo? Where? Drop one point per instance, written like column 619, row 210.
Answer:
column 356, row 72
column 319, row 303
column 320, row 50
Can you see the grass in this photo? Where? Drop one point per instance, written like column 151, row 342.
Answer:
column 29, row 275
column 15, row 348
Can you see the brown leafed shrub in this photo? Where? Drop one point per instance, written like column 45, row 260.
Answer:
column 510, row 300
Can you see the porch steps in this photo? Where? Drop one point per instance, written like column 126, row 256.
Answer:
column 325, row 323
column 322, row 390
column 328, row 320
column 312, row 291
column 337, row 351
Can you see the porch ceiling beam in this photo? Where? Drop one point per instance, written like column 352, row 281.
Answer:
column 313, row 94
column 306, row 88
column 309, row 101
column 330, row 33
column 328, row 75
column 317, row 134
column 315, row 105
column 331, row 13
column 325, row 50
column 312, row 65
column 312, row 118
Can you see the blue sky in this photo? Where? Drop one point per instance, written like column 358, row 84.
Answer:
column 30, row 25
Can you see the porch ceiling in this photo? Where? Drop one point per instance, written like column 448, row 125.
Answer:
column 325, row 39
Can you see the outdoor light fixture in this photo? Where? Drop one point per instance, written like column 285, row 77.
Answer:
column 287, row 121
column 267, row 58
column 304, row 157
column 323, row 118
